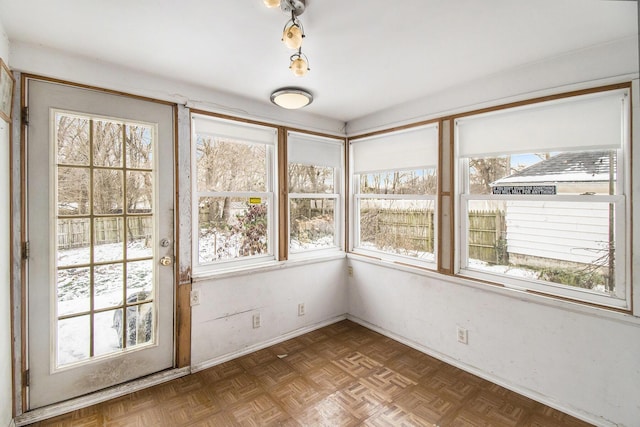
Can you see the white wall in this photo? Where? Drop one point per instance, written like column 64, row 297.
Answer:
column 222, row 325
column 5, row 282
column 599, row 65
column 577, row 359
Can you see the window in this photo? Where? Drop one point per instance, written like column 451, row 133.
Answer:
column 315, row 192
column 394, row 194
column 234, row 199
column 542, row 191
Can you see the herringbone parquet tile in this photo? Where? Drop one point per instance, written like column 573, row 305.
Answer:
column 343, row 375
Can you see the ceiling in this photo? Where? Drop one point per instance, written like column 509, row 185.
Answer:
column 365, row 56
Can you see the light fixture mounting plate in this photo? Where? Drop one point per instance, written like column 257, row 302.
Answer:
column 295, row 6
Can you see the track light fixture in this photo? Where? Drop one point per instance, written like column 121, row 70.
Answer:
column 293, row 33
column 299, row 63
column 272, row 3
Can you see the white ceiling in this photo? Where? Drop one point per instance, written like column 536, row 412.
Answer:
column 365, row 56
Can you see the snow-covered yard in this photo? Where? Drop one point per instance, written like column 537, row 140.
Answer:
column 73, row 296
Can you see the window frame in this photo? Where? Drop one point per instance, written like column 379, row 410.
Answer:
column 621, row 200
column 337, row 196
column 357, row 196
column 270, row 193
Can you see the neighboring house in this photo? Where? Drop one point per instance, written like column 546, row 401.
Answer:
column 537, row 231
column 570, row 172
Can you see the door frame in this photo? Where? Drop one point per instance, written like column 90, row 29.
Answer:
column 18, row 235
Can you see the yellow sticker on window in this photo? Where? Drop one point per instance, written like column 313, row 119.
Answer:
column 255, row 200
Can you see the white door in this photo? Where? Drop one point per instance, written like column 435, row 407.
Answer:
column 100, row 191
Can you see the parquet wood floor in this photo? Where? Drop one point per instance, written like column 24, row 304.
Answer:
column 340, row 375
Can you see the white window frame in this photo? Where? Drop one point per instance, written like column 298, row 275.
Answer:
column 271, row 195
column 337, row 196
column 621, row 299
column 390, row 143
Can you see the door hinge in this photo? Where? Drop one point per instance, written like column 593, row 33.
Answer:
column 25, row 250
column 25, row 116
column 25, row 378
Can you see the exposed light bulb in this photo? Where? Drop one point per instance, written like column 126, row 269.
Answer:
column 299, row 66
column 272, row 3
column 292, row 37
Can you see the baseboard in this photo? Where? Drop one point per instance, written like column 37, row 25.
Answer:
column 590, row 418
column 99, row 396
column 264, row 344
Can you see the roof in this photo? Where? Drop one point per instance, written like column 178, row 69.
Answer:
column 584, row 166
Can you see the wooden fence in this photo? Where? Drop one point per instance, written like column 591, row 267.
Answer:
column 76, row 233
column 487, row 236
column 410, row 229
column 414, row 229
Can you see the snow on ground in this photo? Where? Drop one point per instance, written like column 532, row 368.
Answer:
column 73, row 296
column 427, row 256
column 320, row 243
column 210, row 244
column 522, row 273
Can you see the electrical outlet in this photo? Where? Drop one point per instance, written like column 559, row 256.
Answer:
column 463, row 335
column 195, row 297
column 256, row 321
column 350, row 270
column 301, row 309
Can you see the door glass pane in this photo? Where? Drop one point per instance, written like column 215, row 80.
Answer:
column 139, row 147
column 139, row 280
column 73, row 191
column 105, row 281
column 108, row 282
column 108, row 244
column 107, row 143
column 74, row 339
column 74, row 290
column 72, row 136
column 107, row 189
column 139, row 323
column 105, row 332
column 139, row 192
column 139, row 237
column 73, row 241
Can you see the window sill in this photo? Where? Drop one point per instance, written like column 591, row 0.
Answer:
column 371, row 258
column 264, row 267
column 551, row 290
column 396, row 260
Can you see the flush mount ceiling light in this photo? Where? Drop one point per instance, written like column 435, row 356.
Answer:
column 293, row 33
column 291, row 98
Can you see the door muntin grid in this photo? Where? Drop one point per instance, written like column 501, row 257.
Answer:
column 104, row 192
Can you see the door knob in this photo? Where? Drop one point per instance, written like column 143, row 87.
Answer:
column 165, row 260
